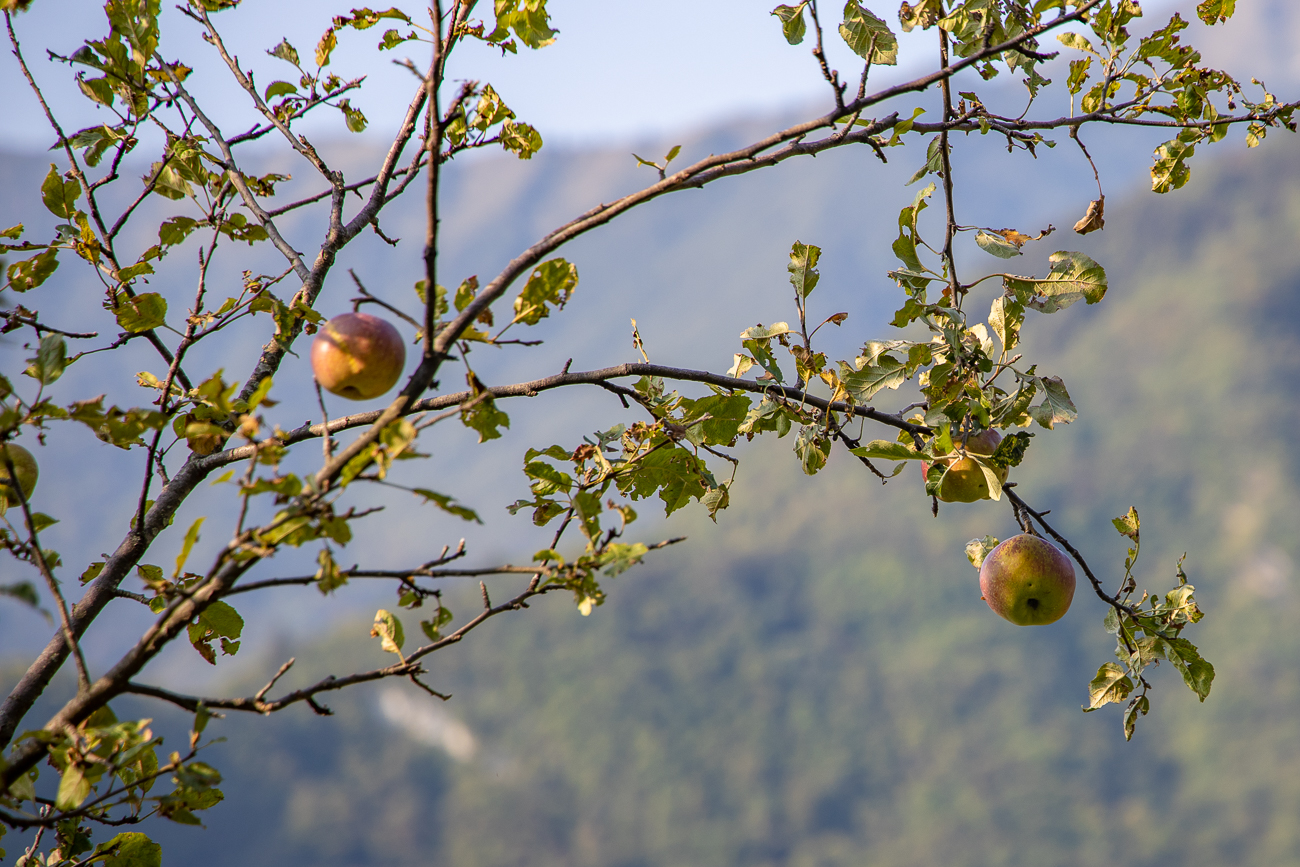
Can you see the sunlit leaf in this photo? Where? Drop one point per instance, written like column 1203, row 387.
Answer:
column 793, row 25
column 868, row 36
column 141, row 313
column 1073, row 277
column 803, row 268
column 1110, row 685
column 388, row 629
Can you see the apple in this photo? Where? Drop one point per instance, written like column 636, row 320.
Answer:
column 1028, row 581
column 24, row 468
column 357, row 356
column 965, row 482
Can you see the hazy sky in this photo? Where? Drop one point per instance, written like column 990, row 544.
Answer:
column 619, row 68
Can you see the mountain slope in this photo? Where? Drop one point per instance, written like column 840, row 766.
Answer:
column 815, row 681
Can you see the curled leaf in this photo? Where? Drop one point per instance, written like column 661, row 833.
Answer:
column 792, row 24
column 388, row 629
column 978, row 549
column 1094, row 218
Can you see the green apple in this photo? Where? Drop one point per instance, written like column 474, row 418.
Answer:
column 24, row 469
column 1028, row 581
column 357, row 356
column 964, row 481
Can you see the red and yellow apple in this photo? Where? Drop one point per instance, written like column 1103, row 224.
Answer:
column 1028, row 581
column 357, row 356
column 24, row 470
column 964, row 482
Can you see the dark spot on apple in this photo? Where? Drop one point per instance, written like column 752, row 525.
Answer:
column 351, row 392
column 1032, row 603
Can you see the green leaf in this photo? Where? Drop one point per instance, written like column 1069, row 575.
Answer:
column 50, row 361
column 862, row 385
column 1128, row 524
column 765, row 332
column 1078, row 74
column 328, row 42
column 770, row 415
column 715, row 501
column 218, row 622
column 30, row 273
column 1197, row 673
column 485, row 418
column 23, row 591
column 812, row 448
column 388, row 629
column 527, row 18
column 990, row 479
column 92, row 572
column 448, row 504
column 1110, row 685
column 933, row 162
column 74, row 788
column 1077, row 41
column 94, row 141
column 129, row 273
column 285, row 51
column 465, row 293
column 978, row 549
column 141, row 313
column 432, row 627
column 191, row 536
column 1170, row 170
column 355, row 120
column 869, row 36
column 803, row 268
column 1011, row 451
column 547, row 479
column 1005, row 318
column 364, row 19
column 59, row 195
column 137, row 21
column 521, row 139
column 996, row 244
column 1056, row 408
column 258, row 397
column 1073, row 277
column 792, row 23
column 552, row 283
column 723, row 415
column 1139, row 706
column 392, row 39
column 279, row 88
column 174, row 231
column 328, row 577
column 886, row 450
column 223, row 619
column 675, row 474
column 202, row 716
column 1215, row 11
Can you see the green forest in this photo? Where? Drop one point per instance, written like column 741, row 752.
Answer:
column 815, row 681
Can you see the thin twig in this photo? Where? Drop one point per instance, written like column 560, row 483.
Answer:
column 13, row 316
column 43, row 566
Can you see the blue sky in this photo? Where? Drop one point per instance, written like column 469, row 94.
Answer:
column 619, row 70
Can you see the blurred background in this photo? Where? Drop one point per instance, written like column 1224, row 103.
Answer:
column 814, row 679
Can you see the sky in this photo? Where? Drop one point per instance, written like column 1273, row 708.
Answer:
column 619, row 70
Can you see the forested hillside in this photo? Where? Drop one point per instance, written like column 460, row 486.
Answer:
column 813, row 681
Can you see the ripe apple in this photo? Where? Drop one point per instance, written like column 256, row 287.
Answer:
column 1028, row 581
column 965, row 482
column 24, row 469
column 357, row 356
